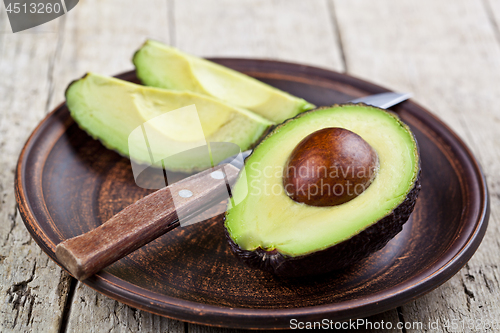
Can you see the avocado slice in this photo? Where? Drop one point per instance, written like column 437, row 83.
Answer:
column 110, row 110
column 159, row 65
column 270, row 231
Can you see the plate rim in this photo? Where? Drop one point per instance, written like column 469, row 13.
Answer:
column 221, row 316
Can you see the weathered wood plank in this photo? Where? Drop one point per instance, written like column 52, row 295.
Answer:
column 32, row 287
column 93, row 312
column 400, row 45
column 446, row 53
column 101, row 36
column 492, row 9
column 290, row 30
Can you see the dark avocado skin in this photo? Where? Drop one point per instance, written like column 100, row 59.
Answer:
column 336, row 257
column 339, row 256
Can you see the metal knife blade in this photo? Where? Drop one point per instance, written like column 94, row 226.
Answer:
column 383, row 100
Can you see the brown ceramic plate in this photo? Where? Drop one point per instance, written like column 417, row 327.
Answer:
column 67, row 183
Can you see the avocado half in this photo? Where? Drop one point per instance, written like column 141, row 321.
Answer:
column 113, row 111
column 270, row 231
column 159, row 65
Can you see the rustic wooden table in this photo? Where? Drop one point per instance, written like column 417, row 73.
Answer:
column 447, row 52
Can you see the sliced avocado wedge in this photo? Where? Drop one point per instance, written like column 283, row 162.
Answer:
column 270, row 231
column 110, row 110
column 159, row 65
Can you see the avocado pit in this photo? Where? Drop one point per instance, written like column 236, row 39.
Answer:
column 330, row 167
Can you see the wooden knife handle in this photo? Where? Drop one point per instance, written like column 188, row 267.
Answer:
column 144, row 221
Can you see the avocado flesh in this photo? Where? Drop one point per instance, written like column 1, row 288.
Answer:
column 110, row 109
column 268, row 219
column 159, row 65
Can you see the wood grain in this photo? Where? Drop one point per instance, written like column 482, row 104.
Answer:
column 101, row 37
column 289, row 30
column 92, row 312
column 402, row 45
column 448, row 55
column 33, row 289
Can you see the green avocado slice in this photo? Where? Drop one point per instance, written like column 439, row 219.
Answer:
column 268, row 228
column 159, row 65
column 110, row 109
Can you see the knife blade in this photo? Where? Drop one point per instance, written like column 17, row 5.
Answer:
column 383, row 100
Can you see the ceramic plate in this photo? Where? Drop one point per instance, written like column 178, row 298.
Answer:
column 67, row 184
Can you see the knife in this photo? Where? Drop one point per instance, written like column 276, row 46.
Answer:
column 156, row 214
